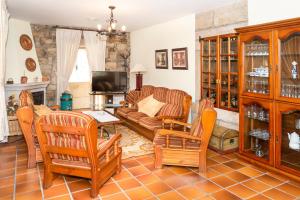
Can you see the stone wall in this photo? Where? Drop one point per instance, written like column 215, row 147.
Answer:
column 117, row 50
column 45, row 43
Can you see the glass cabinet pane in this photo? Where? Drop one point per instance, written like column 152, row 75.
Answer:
column 224, row 64
column 224, row 46
column 213, row 47
column 233, row 83
column 234, row 64
column 233, row 45
column 290, row 139
column 205, row 51
column 289, row 62
column 256, row 66
column 256, row 131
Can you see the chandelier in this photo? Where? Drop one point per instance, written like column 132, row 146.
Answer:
column 112, row 26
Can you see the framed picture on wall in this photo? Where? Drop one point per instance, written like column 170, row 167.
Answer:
column 161, row 59
column 180, row 58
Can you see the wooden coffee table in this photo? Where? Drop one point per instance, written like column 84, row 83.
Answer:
column 103, row 119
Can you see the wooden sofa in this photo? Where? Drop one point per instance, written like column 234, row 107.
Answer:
column 177, row 106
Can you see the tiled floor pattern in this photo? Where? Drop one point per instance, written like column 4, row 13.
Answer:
column 228, row 178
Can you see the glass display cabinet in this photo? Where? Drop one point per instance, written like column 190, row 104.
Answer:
column 288, row 137
column 256, row 128
column 257, row 65
column 219, row 70
column 269, row 59
column 288, row 76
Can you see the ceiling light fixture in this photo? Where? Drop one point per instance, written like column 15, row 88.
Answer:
column 112, row 26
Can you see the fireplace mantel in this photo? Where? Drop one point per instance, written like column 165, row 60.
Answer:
column 27, row 86
column 15, row 89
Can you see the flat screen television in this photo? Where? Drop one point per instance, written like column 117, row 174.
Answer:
column 108, row 81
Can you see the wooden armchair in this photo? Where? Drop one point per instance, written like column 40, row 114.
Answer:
column 68, row 142
column 26, row 118
column 186, row 148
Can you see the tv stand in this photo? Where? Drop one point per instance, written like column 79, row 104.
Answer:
column 102, row 100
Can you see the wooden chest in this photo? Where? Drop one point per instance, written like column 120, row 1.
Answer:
column 224, row 140
column 13, row 125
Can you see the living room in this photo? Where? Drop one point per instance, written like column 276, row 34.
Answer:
column 149, row 99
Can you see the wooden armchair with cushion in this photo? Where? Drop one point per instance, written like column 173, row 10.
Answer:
column 68, row 142
column 26, row 114
column 186, row 148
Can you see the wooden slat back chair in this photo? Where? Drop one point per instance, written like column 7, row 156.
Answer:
column 25, row 117
column 69, row 146
column 187, row 147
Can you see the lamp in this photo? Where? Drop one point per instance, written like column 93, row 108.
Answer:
column 138, row 70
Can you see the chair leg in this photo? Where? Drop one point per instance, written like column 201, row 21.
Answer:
column 158, row 157
column 94, row 188
column 48, row 178
column 31, row 163
column 119, row 165
column 202, row 162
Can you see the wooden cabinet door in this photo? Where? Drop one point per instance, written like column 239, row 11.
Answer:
column 228, row 67
column 210, row 71
column 287, row 60
column 287, row 148
column 256, row 64
column 256, row 129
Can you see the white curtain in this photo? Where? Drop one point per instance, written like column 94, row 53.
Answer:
column 67, row 44
column 96, row 47
column 3, row 38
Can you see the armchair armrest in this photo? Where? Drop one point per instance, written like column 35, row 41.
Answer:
column 55, row 107
column 171, row 121
column 112, row 141
column 181, row 134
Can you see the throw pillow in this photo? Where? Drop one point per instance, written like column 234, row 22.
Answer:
column 151, row 107
column 143, row 102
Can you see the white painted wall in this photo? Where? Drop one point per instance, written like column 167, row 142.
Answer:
column 172, row 34
column 261, row 11
column 16, row 55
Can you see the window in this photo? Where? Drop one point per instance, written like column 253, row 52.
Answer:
column 81, row 71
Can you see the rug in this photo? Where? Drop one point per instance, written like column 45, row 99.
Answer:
column 132, row 143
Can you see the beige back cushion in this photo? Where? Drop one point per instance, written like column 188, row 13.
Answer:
column 150, row 106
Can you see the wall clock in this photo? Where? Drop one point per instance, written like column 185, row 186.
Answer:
column 25, row 42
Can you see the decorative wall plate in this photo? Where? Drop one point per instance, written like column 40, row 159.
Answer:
column 25, row 42
column 30, row 64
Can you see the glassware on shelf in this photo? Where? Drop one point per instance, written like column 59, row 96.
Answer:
column 297, row 124
column 256, row 112
column 257, row 49
column 260, row 134
column 290, row 90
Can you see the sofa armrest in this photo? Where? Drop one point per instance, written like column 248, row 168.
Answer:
column 168, row 117
column 123, row 103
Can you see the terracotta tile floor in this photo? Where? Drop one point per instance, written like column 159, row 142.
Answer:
column 228, row 177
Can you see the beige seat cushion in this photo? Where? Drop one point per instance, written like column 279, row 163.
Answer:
column 40, row 110
column 150, row 107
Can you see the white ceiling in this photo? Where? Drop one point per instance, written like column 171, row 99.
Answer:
column 135, row 14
